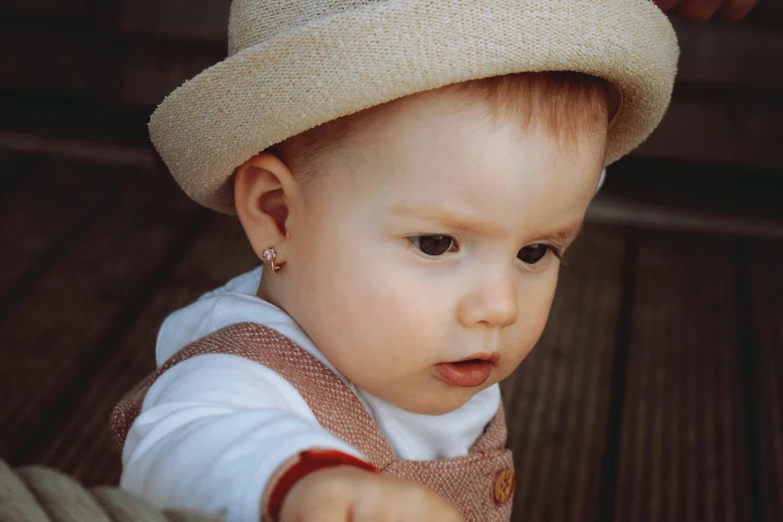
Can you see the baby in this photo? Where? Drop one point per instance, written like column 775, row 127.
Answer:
column 422, row 178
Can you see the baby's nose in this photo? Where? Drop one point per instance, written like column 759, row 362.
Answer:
column 491, row 304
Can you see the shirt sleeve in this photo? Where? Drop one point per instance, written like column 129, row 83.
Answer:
column 212, row 431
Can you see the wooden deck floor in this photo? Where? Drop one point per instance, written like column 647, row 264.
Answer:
column 655, row 393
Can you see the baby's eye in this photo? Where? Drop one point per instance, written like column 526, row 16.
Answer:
column 532, row 254
column 434, row 245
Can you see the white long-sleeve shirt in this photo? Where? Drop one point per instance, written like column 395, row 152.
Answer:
column 213, row 429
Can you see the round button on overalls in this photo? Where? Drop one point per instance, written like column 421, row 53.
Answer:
column 504, row 485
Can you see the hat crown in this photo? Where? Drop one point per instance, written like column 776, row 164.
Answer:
column 297, row 64
column 255, row 21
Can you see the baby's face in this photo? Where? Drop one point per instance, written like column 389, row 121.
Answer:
column 434, row 240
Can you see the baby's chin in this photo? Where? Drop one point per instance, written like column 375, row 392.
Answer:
column 439, row 400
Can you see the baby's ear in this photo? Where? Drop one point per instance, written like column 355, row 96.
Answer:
column 264, row 190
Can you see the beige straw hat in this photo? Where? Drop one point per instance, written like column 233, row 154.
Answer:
column 295, row 64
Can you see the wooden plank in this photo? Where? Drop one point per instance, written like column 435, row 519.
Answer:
column 734, row 54
column 676, row 196
column 76, row 438
column 150, row 72
column 53, row 199
column 52, row 334
column 767, row 14
column 683, row 451
column 13, row 168
column 68, row 9
column 34, row 65
column 39, row 125
column 11, row 165
column 764, row 280
column 717, row 127
column 730, row 192
column 205, row 20
column 558, row 400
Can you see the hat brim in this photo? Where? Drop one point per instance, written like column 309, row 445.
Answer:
column 385, row 50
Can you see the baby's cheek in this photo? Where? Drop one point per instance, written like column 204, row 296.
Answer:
column 520, row 349
column 390, row 341
column 389, row 322
column 526, row 334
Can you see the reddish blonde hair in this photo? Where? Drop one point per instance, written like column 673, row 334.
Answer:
column 568, row 105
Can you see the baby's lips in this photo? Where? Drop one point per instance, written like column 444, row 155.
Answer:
column 465, row 374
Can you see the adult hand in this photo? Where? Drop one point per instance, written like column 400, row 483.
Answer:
column 700, row 11
column 348, row 494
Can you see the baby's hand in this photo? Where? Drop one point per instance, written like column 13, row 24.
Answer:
column 346, row 493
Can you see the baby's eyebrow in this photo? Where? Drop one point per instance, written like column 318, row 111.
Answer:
column 466, row 223
column 449, row 219
column 569, row 232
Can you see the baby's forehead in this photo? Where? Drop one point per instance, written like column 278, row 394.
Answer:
column 465, row 164
column 445, row 145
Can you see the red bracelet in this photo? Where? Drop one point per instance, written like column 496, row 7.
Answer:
column 309, row 461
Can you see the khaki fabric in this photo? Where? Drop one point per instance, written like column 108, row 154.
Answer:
column 38, row 494
column 294, row 65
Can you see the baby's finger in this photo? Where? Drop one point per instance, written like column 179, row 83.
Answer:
column 401, row 514
column 320, row 508
column 411, row 506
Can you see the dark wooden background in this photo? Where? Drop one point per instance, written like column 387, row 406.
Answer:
column 655, row 393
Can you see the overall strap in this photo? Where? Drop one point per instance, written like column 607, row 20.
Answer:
column 334, row 405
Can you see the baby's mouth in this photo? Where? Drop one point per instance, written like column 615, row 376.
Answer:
column 468, row 373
